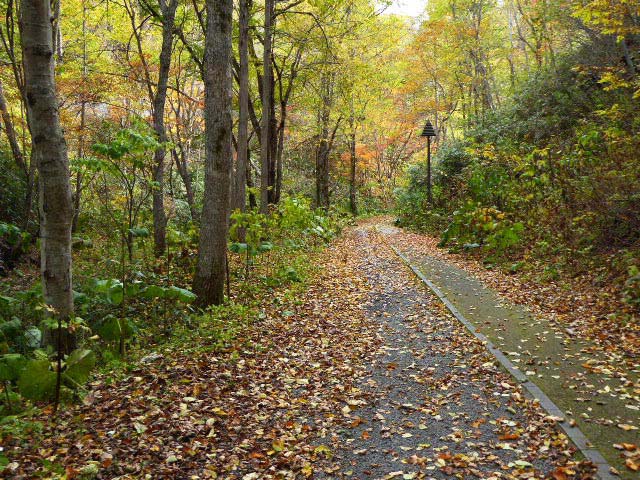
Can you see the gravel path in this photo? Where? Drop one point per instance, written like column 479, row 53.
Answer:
column 584, row 383
column 439, row 405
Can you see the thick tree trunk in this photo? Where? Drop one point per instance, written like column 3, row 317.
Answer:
column 159, row 100
column 240, row 180
column 267, row 101
column 50, row 153
column 208, row 282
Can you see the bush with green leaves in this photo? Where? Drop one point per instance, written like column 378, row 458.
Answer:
column 249, row 234
column 34, row 376
column 13, row 243
column 631, row 290
column 474, row 225
column 121, row 168
column 109, row 295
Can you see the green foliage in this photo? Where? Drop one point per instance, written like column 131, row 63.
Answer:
column 631, row 291
column 11, row 365
column 113, row 329
column 557, row 160
column 13, row 243
column 505, row 237
column 129, row 141
column 254, row 226
column 13, row 236
column 111, row 290
column 111, row 294
column 181, row 294
column 474, row 225
column 79, row 364
column 14, row 336
column 37, row 380
column 296, row 214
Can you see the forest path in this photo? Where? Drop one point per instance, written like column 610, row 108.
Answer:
column 595, row 396
column 359, row 373
column 439, row 404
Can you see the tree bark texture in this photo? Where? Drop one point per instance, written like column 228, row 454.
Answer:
column 208, row 282
column 50, row 153
column 168, row 11
column 324, row 143
column 352, row 170
column 240, row 180
column 267, row 101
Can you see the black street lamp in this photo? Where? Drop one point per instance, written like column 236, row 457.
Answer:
column 428, row 131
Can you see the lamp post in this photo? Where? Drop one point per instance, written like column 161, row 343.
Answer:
column 428, row 131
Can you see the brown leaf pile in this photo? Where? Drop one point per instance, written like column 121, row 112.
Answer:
column 257, row 410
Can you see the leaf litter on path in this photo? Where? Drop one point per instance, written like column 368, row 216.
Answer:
column 440, row 407
column 350, row 383
column 595, row 374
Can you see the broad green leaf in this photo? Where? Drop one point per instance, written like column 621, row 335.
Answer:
column 37, row 381
column 139, row 232
column 116, row 294
column 133, row 289
column 32, row 337
column 111, row 288
column 113, row 329
column 265, row 247
column 153, row 291
column 182, row 294
column 237, row 247
column 11, row 364
column 79, row 365
column 79, row 297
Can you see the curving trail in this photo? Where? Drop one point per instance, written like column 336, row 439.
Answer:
column 439, row 405
column 594, row 388
column 362, row 374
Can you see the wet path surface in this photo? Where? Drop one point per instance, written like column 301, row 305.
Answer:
column 438, row 404
column 567, row 369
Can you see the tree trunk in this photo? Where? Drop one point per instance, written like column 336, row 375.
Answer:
column 11, row 134
column 323, row 148
column 267, row 100
column 50, row 153
column 253, row 202
column 280, row 152
column 182, row 165
column 208, row 282
column 352, row 170
column 159, row 100
column 240, row 191
column 273, row 143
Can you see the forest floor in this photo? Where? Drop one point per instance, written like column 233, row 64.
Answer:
column 364, row 375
